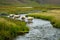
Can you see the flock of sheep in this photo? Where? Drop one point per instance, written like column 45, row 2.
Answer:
column 23, row 17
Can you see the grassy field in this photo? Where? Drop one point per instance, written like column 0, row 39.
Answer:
column 18, row 9
column 15, row 10
column 10, row 28
column 51, row 15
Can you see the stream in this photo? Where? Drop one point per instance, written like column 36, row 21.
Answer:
column 40, row 30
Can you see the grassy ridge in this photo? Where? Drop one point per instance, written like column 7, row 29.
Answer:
column 51, row 15
column 10, row 28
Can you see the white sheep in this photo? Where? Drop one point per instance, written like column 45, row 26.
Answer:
column 23, row 17
column 16, row 16
column 11, row 15
column 30, row 19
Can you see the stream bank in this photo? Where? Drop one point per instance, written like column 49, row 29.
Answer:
column 40, row 30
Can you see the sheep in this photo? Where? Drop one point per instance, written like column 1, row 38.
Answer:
column 30, row 19
column 16, row 16
column 11, row 15
column 23, row 18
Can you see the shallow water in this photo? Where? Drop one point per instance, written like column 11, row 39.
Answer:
column 40, row 30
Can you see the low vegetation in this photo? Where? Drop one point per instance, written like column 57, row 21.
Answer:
column 10, row 28
column 51, row 15
column 14, row 10
column 19, row 10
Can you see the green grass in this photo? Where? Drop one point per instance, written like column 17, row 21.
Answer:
column 15, row 9
column 10, row 28
column 18, row 9
column 51, row 15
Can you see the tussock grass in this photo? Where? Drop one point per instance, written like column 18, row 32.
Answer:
column 10, row 28
column 51, row 15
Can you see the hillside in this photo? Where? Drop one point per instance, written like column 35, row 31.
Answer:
column 28, row 2
column 18, row 3
column 48, row 2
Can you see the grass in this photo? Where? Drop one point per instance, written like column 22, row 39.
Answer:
column 10, row 28
column 14, row 10
column 51, row 15
column 18, row 9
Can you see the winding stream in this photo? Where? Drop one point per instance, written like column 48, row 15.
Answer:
column 40, row 30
